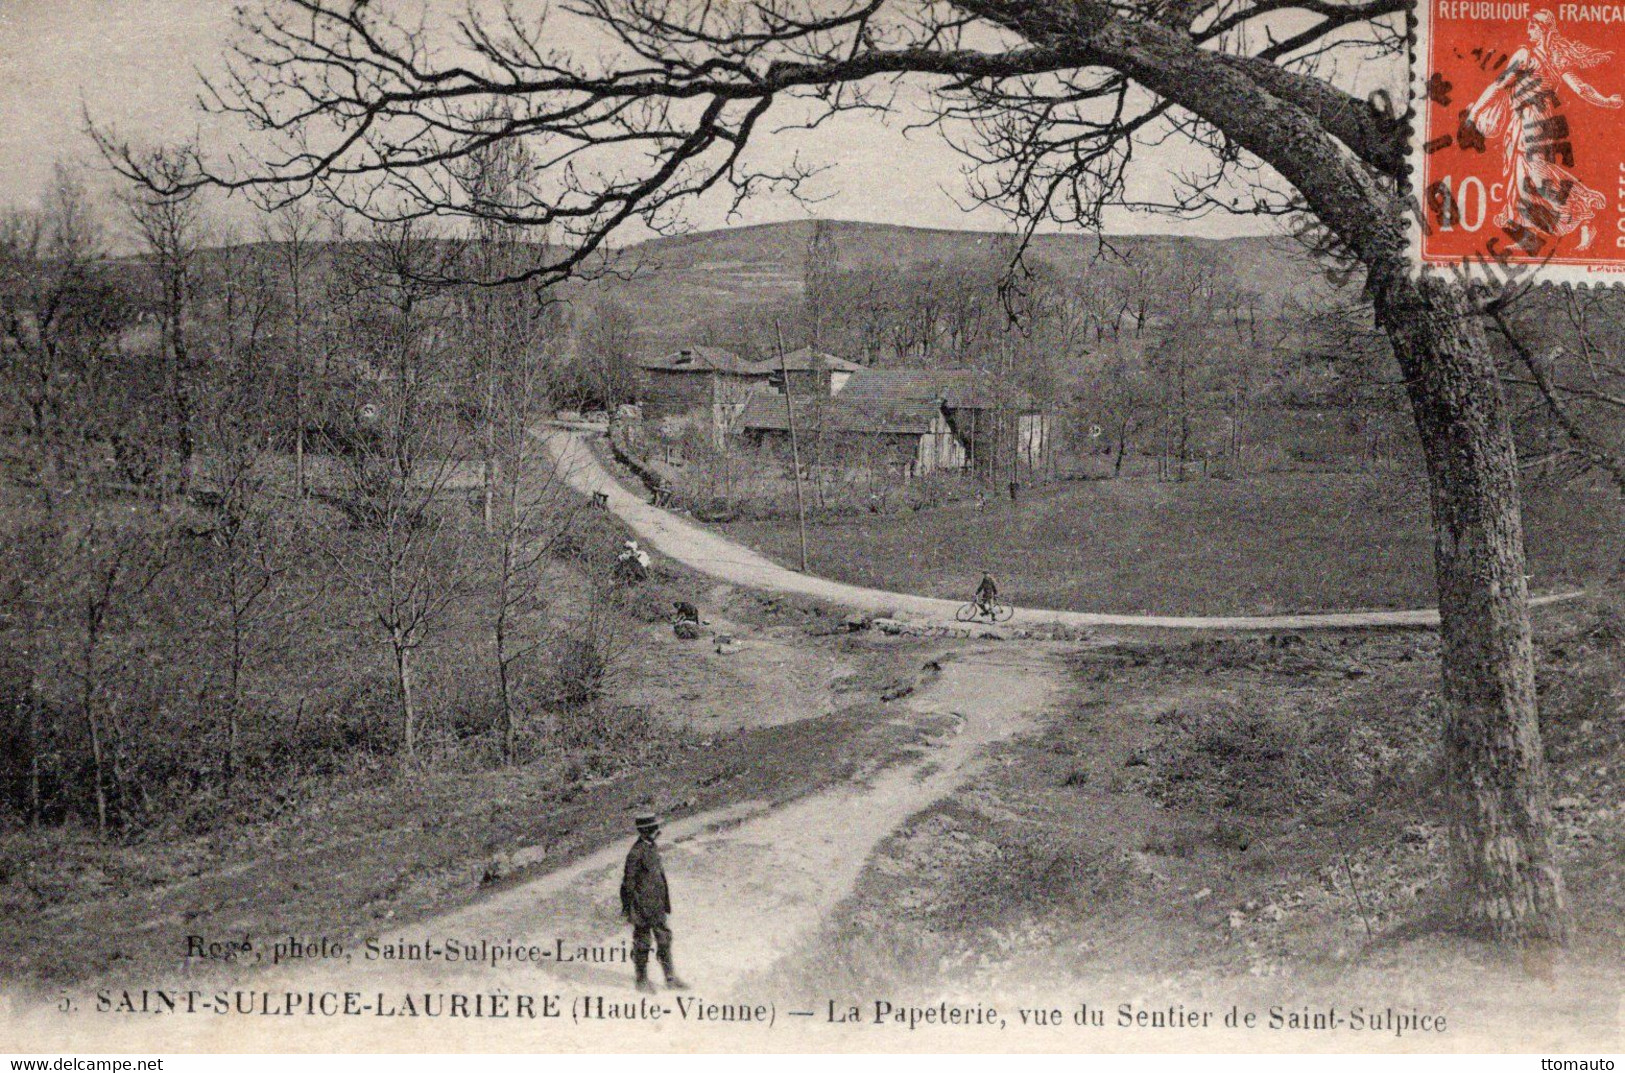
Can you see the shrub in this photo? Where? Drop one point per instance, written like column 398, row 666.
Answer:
column 580, row 661
column 1607, row 628
column 594, row 729
column 592, row 538
column 1265, row 765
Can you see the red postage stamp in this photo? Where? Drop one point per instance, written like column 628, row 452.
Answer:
column 1517, row 156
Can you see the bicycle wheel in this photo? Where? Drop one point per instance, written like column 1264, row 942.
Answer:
column 967, row 613
column 1003, row 612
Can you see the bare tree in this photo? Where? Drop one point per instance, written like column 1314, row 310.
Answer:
column 238, row 308
column 1054, row 96
column 822, row 262
column 410, row 563
column 293, row 230
column 243, row 306
column 498, row 320
column 247, row 539
column 1121, row 393
column 606, row 353
column 111, row 559
column 59, row 317
column 1139, row 284
column 1187, row 288
column 169, row 223
column 535, row 514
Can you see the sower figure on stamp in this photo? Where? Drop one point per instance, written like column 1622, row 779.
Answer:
column 646, row 902
column 1540, row 193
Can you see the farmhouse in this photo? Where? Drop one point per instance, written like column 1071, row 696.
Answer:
column 911, row 435
column 704, row 384
column 810, row 372
column 989, row 417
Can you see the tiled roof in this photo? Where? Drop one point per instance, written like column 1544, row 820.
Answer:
column 957, row 388
column 767, row 412
column 805, row 359
column 698, row 359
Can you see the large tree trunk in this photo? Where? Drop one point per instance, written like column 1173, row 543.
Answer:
column 1501, row 815
column 1500, row 807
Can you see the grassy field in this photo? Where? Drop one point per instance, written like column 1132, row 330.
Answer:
column 1274, row 543
column 1231, row 819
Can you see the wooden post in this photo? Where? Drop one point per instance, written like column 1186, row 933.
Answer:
column 795, row 451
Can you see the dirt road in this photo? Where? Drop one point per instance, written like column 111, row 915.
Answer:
column 748, row 883
column 706, row 551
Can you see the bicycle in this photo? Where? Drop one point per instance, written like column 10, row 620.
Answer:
column 976, row 610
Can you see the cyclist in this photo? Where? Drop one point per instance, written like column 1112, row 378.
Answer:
column 986, row 593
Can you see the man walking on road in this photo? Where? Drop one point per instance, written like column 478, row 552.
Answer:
column 646, row 902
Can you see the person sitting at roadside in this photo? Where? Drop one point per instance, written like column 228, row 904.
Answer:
column 634, row 559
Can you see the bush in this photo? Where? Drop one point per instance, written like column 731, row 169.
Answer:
column 580, row 662
column 1227, row 757
column 319, row 741
column 592, row 538
column 595, row 729
column 648, row 601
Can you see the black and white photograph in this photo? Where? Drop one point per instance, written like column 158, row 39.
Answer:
column 812, row 527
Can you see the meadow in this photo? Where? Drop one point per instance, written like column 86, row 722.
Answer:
column 1272, row 543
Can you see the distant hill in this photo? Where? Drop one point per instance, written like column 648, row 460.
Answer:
column 683, row 281
column 679, row 282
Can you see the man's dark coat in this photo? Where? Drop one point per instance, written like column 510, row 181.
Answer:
column 643, row 885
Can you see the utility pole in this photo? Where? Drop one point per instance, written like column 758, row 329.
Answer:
column 1009, row 421
column 795, row 451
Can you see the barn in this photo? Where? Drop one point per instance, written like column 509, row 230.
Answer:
column 911, row 436
column 990, row 417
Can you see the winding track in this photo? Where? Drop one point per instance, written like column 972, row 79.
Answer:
column 711, row 553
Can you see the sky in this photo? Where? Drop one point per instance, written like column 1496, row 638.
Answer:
column 133, row 65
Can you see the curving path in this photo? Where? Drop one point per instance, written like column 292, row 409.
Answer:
column 711, row 553
column 751, row 884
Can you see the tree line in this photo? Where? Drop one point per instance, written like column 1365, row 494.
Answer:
column 275, row 500
column 1152, row 347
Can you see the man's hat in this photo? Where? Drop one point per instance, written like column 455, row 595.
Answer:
column 646, row 821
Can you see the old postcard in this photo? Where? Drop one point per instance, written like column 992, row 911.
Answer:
column 811, row 525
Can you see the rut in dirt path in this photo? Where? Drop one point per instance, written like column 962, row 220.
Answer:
column 716, row 555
